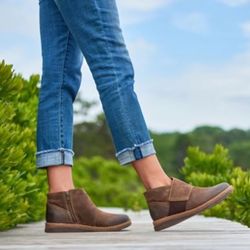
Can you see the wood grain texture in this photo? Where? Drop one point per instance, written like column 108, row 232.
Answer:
column 195, row 233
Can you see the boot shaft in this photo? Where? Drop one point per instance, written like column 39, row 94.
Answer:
column 73, row 206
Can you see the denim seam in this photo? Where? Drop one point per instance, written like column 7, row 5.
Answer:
column 118, row 87
column 106, row 40
column 61, row 138
column 54, row 150
column 135, row 145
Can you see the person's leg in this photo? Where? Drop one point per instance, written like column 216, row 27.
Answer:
column 95, row 26
column 68, row 209
column 61, row 76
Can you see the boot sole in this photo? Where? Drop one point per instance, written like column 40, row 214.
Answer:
column 171, row 220
column 66, row 227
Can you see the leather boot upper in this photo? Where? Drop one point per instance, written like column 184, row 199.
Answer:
column 178, row 197
column 75, row 206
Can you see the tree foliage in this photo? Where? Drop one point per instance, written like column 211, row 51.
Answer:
column 108, row 183
column 94, row 138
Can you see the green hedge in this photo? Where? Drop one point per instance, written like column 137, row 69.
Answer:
column 22, row 190
column 203, row 169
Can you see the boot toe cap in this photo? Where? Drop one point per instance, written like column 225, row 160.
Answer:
column 110, row 219
column 118, row 219
column 201, row 195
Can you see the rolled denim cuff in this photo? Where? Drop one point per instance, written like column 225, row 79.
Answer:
column 53, row 157
column 138, row 151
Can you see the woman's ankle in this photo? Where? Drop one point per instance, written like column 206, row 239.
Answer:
column 60, row 178
column 60, row 189
column 151, row 172
column 155, row 182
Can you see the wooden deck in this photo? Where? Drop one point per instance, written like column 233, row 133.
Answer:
column 195, row 233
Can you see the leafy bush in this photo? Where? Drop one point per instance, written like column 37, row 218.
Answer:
column 108, row 183
column 203, row 169
column 22, row 190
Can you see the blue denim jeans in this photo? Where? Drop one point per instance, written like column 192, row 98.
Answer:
column 71, row 31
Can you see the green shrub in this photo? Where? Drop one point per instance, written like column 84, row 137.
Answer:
column 108, row 183
column 22, row 190
column 203, row 169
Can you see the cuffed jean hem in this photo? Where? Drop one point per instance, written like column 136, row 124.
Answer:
column 53, row 157
column 138, row 151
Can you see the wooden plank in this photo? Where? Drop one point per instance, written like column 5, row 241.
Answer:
column 195, row 233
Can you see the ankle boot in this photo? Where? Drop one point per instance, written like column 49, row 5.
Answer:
column 169, row 205
column 74, row 211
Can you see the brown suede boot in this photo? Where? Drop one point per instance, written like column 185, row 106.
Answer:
column 169, row 205
column 74, row 211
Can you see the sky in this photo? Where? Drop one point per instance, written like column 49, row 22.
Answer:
column 191, row 58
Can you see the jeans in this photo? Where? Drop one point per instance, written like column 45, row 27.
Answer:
column 71, row 31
